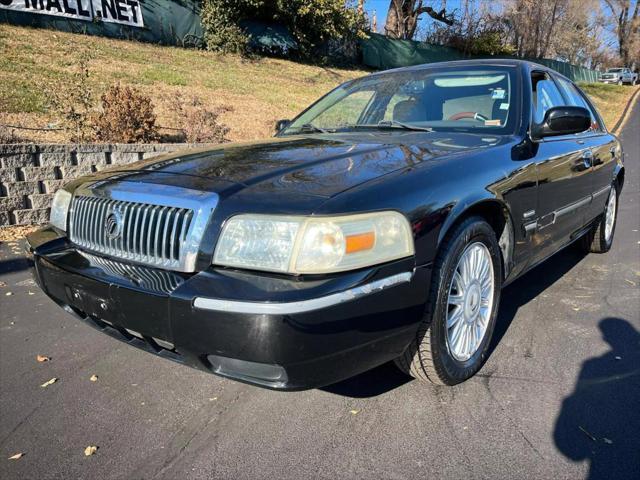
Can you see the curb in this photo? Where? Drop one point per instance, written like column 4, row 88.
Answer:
column 626, row 113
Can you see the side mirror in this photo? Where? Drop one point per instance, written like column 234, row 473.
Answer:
column 281, row 125
column 562, row 121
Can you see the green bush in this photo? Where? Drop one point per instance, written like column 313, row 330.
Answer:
column 311, row 22
column 220, row 21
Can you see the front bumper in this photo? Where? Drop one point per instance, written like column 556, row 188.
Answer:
column 274, row 331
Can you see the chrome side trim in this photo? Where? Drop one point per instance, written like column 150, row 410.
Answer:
column 530, row 227
column 528, row 214
column 602, row 191
column 572, row 208
column 304, row 305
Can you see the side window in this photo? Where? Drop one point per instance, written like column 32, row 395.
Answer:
column 577, row 100
column 545, row 95
column 345, row 112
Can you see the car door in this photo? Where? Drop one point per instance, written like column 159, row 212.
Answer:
column 603, row 149
column 564, row 183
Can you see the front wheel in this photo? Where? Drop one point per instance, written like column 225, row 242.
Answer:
column 619, row 82
column 452, row 341
column 600, row 238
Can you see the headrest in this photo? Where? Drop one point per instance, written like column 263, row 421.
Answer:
column 409, row 111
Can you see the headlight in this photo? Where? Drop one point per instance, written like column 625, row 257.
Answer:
column 59, row 209
column 313, row 244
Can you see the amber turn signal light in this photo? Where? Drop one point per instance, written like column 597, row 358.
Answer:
column 360, row 242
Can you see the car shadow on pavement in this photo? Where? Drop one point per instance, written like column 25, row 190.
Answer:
column 387, row 377
column 600, row 420
column 13, row 265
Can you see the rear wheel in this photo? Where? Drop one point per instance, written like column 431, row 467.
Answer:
column 600, row 237
column 452, row 341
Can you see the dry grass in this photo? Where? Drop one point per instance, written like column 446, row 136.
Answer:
column 16, row 232
column 260, row 91
column 610, row 100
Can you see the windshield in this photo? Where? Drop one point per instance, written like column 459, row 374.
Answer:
column 423, row 99
column 614, row 70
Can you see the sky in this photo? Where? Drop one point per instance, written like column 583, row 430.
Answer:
column 381, row 6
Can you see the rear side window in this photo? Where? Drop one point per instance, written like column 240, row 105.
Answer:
column 576, row 99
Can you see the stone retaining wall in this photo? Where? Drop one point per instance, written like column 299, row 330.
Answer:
column 31, row 174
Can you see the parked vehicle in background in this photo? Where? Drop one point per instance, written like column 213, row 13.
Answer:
column 619, row 76
column 380, row 224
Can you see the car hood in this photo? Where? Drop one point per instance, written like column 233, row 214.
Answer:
column 314, row 165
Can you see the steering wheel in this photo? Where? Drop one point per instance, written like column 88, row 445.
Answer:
column 468, row 115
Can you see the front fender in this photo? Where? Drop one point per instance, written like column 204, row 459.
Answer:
column 473, row 203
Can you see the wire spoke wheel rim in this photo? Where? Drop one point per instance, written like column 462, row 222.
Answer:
column 470, row 301
column 610, row 215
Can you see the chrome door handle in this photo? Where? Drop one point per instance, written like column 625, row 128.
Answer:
column 587, row 158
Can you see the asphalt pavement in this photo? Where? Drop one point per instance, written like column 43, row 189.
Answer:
column 559, row 396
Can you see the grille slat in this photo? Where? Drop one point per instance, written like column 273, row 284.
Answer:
column 150, row 234
column 157, row 280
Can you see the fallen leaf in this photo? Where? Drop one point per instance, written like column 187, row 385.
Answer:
column 354, row 412
column 3, row 284
column 16, row 456
column 31, row 293
column 50, row 382
column 607, row 441
column 42, row 358
column 630, row 282
column 8, row 294
column 213, row 399
column 94, row 378
column 90, row 450
column 576, row 309
column 587, row 434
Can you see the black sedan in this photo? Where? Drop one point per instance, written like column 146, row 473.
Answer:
column 380, row 224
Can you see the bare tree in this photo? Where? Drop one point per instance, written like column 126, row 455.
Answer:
column 403, row 16
column 532, row 24
column 627, row 25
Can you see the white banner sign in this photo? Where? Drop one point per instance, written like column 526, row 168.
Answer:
column 126, row 12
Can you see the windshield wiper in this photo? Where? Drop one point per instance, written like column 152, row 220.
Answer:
column 310, row 127
column 406, row 126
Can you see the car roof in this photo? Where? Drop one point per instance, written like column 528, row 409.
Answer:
column 493, row 62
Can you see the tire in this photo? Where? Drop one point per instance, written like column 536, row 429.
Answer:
column 599, row 239
column 619, row 82
column 431, row 356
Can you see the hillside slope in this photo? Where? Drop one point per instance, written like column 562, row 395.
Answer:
column 259, row 91
column 34, row 61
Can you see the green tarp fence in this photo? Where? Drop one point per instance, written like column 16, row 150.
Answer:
column 382, row 53
column 169, row 22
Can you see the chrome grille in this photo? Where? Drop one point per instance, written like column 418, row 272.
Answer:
column 150, row 234
column 156, row 280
